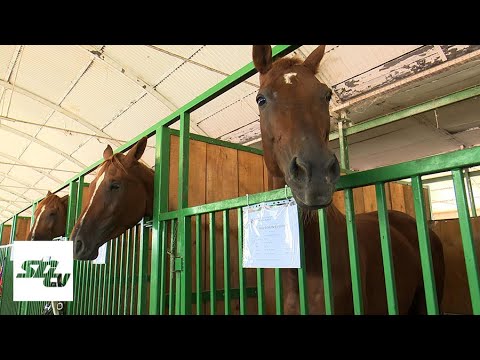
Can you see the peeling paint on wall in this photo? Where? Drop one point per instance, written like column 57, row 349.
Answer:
column 414, row 62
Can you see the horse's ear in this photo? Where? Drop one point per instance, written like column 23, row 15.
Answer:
column 64, row 200
column 48, row 193
column 137, row 151
column 262, row 58
column 313, row 60
column 107, row 153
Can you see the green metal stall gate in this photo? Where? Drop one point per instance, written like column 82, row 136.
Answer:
column 155, row 276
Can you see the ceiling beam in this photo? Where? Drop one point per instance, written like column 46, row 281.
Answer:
column 58, row 108
column 19, row 161
column 138, row 81
column 42, row 143
column 19, row 195
column 10, row 177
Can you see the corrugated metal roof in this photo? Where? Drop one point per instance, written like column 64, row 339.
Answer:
column 6, row 54
column 50, row 70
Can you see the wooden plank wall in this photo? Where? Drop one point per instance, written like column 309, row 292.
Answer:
column 456, row 298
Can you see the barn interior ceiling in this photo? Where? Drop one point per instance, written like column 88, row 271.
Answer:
column 61, row 105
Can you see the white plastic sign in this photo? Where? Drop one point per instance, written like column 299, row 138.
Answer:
column 271, row 235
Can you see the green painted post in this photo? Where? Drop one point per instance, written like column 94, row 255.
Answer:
column 241, row 271
column 213, row 275
column 386, row 250
column 110, row 278
column 133, row 270
column 326, row 264
column 127, row 268
column 424, row 245
column 471, row 261
column 198, row 263
column 13, row 228
column 163, row 266
column 1, row 232
column 353, row 252
column 160, row 204
column 142, row 271
column 184, row 244
column 71, row 209
column 260, row 292
column 302, row 272
column 226, row 262
column 278, row 292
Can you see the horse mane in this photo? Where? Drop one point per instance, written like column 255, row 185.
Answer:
column 115, row 160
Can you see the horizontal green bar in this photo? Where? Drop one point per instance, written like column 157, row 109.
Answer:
column 429, row 165
column 410, row 111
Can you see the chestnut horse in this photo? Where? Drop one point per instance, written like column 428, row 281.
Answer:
column 295, row 124
column 118, row 198
column 50, row 218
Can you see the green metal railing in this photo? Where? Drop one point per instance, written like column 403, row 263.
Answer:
column 175, row 286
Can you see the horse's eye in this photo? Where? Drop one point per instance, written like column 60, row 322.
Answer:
column 114, row 186
column 261, row 100
column 52, row 214
column 328, row 96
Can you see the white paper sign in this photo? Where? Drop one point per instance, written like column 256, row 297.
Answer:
column 271, row 235
column 102, row 255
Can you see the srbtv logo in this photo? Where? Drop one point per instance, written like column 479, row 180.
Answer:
column 43, row 271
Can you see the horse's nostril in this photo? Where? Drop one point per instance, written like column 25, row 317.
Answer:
column 78, row 246
column 299, row 170
column 333, row 168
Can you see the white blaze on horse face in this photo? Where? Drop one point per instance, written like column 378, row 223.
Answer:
column 288, row 77
column 36, row 221
column 97, row 185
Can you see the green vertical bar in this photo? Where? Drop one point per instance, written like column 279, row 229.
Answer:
column 78, row 207
column 81, row 277
column 183, row 160
column 121, row 281
column 386, row 250
column 142, row 271
column 105, row 279
column 260, row 292
column 160, row 204
column 171, row 301
column 302, row 272
column 13, row 228
column 353, row 252
column 87, row 287
column 471, row 261
column 115, row 259
column 278, row 292
column 184, row 274
column 163, row 267
column 213, row 275
column 326, row 264
column 71, row 208
column 93, row 291
column 184, row 286
column 471, row 197
column 109, row 277
column 226, row 262
column 127, row 268
column 424, row 244
column 133, row 272
column 1, row 231
column 198, row 263
column 241, row 271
